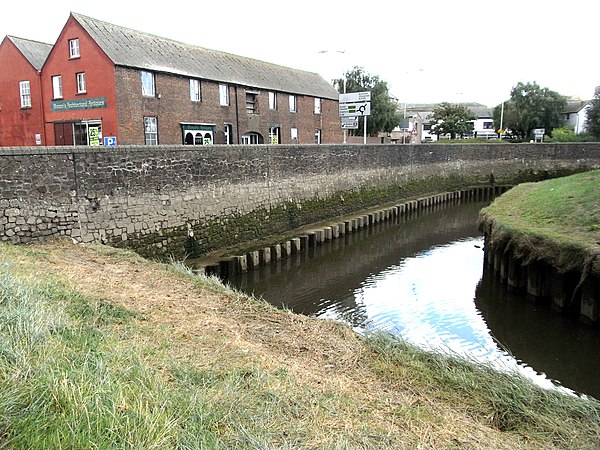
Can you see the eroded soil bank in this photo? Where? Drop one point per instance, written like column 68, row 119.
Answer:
column 544, row 238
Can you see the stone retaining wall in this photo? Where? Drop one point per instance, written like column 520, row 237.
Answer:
column 184, row 201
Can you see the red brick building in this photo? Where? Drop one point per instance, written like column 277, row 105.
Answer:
column 105, row 84
column 21, row 103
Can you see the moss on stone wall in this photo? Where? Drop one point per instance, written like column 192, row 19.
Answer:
column 236, row 229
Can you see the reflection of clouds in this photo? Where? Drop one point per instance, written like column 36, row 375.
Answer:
column 429, row 301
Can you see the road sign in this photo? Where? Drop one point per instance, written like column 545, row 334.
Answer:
column 349, row 123
column 110, row 141
column 354, row 97
column 355, row 109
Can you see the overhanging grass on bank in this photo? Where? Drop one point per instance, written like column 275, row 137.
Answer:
column 557, row 220
column 79, row 371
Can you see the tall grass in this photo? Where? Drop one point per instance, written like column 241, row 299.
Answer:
column 511, row 402
column 62, row 382
column 67, row 382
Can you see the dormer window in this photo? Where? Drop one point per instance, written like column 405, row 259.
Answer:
column 74, row 48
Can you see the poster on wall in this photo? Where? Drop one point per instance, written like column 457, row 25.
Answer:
column 94, row 133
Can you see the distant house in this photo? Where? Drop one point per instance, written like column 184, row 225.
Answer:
column 419, row 124
column 21, row 117
column 106, row 84
column 483, row 125
column 575, row 115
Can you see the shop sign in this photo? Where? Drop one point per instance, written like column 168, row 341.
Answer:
column 82, row 103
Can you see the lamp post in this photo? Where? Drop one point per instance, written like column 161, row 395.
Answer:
column 407, row 73
column 341, row 52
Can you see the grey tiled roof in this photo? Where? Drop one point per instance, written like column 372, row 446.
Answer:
column 481, row 111
column 35, row 52
column 130, row 48
column 575, row 107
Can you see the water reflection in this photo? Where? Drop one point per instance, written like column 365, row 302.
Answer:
column 421, row 278
column 560, row 346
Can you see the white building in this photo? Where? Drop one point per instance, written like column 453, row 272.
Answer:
column 575, row 116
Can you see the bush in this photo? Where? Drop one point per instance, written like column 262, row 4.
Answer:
column 566, row 134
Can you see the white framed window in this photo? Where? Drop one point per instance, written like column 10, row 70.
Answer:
column 147, row 84
column 195, row 94
column 317, row 136
column 224, row 95
column 150, row 131
column 251, row 106
column 228, row 130
column 74, row 48
column 274, row 135
column 87, row 132
column 57, row 87
column 294, row 134
column 251, row 139
column 272, row 100
column 81, row 87
column 292, row 103
column 25, row 91
column 317, row 106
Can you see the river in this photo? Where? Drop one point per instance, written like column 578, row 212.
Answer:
column 422, row 277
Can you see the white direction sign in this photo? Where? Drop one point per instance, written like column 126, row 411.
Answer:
column 355, row 104
column 349, row 123
column 355, row 109
column 354, row 97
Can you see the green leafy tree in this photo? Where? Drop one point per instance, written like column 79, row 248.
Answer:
column 593, row 115
column 384, row 109
column 530, row 107
column 452, row 119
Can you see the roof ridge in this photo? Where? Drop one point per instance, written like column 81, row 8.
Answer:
column 127, row 47
column 186, row 44
column 11, row 37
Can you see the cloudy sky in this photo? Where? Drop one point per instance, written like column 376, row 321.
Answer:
column 427, row 51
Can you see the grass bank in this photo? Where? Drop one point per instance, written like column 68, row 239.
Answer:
column 555, row 221
column 101, row 349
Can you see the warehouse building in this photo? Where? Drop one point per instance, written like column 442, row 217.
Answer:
column 102, row 84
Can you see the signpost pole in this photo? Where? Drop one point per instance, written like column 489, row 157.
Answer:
column 365, row 131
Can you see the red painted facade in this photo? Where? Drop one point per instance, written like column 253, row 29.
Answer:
column 19, row 125
column 99, row 84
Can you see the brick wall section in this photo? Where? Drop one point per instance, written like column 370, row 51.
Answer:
column 174, row 107
column 182, row 200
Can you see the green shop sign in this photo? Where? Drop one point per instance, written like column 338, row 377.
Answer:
column 83, row 103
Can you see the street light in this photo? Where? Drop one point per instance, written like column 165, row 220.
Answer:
column 341, row 52
column 407, row 73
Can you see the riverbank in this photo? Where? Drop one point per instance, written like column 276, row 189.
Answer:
column 104, row 349
column 545, row 237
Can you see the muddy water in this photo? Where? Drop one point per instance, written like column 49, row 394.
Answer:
column 422, row 278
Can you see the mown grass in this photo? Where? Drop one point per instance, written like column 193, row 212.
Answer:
column 77, row 371
column 555, row 220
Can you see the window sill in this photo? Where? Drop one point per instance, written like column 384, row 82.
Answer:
column 25, row 107
column 81, row 93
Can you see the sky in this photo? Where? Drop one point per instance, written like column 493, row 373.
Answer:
column 428, row 52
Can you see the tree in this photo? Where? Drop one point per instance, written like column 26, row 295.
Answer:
column 593, row 115
column 384, row 111
column 531, row 107
column 452, row 119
